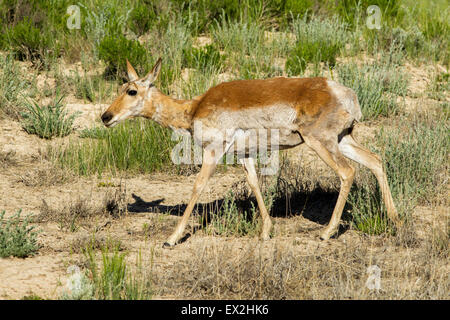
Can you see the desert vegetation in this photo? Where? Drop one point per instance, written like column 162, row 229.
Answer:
column 90, row 206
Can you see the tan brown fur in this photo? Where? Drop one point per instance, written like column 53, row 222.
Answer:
column 174, row 113
column 309, row 96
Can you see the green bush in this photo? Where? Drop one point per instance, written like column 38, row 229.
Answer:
column 311, row 51
column 17, row 238
column 316, row 41
column 29, row 42
column 48, row 121
column 354, row 11
column 204, row 58
column 143, row 18
column 114, row 50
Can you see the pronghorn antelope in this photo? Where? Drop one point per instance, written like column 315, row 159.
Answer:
column 315, row 111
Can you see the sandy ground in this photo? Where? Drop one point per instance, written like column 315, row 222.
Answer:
column 155, row 200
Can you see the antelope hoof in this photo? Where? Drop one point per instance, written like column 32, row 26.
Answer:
column 264, row 237
column 167, row 245
column 265, row 234
column 326, row 234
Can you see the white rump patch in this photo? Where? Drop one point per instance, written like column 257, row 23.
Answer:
column 347, row 98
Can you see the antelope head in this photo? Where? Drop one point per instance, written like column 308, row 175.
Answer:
column 135, row 97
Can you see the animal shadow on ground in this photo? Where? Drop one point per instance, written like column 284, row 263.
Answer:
column 316, row 205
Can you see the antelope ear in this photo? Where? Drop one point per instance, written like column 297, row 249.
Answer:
column 153, row 75
column 132, row 75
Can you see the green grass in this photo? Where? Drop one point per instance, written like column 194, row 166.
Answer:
column 17, row 237
column 238, row 214
column 94, row 133
column 233, row 220
column 204, row 58
column 317, row 40
column 92, row 88
column 138, row 147
column 439, row 86
column 14, row 86
column 113, row 279
column 47, row 121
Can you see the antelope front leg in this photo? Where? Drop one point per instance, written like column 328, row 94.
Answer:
column 208, row 166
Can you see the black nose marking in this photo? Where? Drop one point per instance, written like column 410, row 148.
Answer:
column 106, row 117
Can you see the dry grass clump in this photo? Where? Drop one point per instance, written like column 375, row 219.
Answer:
column 438, row 243
column 84, row 213
column 73, row 215
column 95, row 242
column 116, row 203
column 281, row 271
column 406, row 236
column 45, row 176
column 7, row 159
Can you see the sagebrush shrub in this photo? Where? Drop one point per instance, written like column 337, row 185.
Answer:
column 13, row 86
column 17, row 237
column 376, row 85
column 414, row 155
column 238, row 37
column 106, row 19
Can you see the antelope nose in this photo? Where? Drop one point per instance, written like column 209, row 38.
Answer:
column 106, row 117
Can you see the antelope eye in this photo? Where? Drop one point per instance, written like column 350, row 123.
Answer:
column 131, row 92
